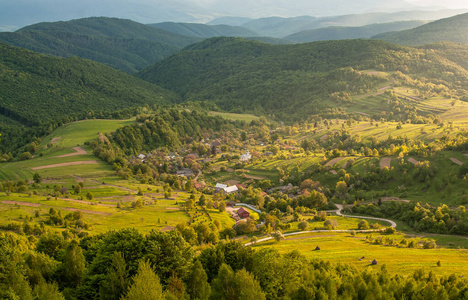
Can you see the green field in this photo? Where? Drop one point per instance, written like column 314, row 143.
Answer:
column 343, row 248
column 77, row 133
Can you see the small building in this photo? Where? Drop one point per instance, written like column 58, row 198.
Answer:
column 268, row 153
column 243, row 213
column 219, row 187
column 231, row 189
column 374, row 262
column 245, row 157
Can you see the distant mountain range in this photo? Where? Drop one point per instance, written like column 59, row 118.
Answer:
column 283, row 27
column 123, row 44
column 341, row 33
column 454, row 29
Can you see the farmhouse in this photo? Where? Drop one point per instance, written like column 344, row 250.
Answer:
column 185, row 172
column 241, row 212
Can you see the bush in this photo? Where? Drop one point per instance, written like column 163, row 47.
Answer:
column 303, row 225
column 363, row 225
column 330, row 224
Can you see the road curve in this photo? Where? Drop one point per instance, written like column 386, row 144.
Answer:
column 340, row 208
column 338, row 212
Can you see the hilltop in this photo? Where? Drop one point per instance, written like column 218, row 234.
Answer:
column 123, row 44
column 453, row 29
column 294, row 81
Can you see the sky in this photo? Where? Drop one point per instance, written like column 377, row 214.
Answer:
column 445, row 3
column 15, row 14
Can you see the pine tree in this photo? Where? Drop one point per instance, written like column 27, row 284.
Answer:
column 146, row 285
column 197, row 283
column 116, row 281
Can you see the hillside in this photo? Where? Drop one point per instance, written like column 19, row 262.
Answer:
column 122, row 44
column 294, row 81
column 38, row 89
column 454, row 29
column 281, row 27
column 204, row 31
column 341, row 33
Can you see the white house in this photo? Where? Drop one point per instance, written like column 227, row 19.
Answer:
column 245, row 157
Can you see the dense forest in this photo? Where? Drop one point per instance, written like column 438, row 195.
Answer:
column 39, row 90
column 126, row 264
column 291, row 82
column 122, row 44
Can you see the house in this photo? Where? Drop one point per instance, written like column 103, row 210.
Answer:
column 245, row 157
column 226, row 189
column 231, row 189
column 243, row 213
column 268, row 153
column 220, row 187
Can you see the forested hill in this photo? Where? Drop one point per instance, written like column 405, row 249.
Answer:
column 205, row 31
column 38, row 88
column 342, row 32
column 454, row 29
column 123, row 44
column 293, row 81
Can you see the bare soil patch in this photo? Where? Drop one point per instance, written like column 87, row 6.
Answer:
column 79, row 151
column 74, row 163
column 55, row 140
column 334, row 172
column 86, row 202
column 458, row 162
column 466, row 154
column 232, row 182
column 413, row 161
column 255, row 177
column 168, row 228
column 21, row 203
column 172, row 208
column 323, row 137
column 334, row 161
column 385, row 162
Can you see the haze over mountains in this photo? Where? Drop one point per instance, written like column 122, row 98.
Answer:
column 19, row 13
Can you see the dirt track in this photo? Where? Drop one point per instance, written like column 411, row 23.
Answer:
column 79, row 151
column 412, row 160
column 75, row 163
column 21, row 203
column 334, row 161
column 458, row 162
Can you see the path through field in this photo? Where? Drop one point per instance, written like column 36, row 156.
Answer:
column 334, row 161
column 74, row 163
column 453, row 159
column 385, row 162
column 78, row 151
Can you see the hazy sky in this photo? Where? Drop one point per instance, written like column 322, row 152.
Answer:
column 445, row 3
